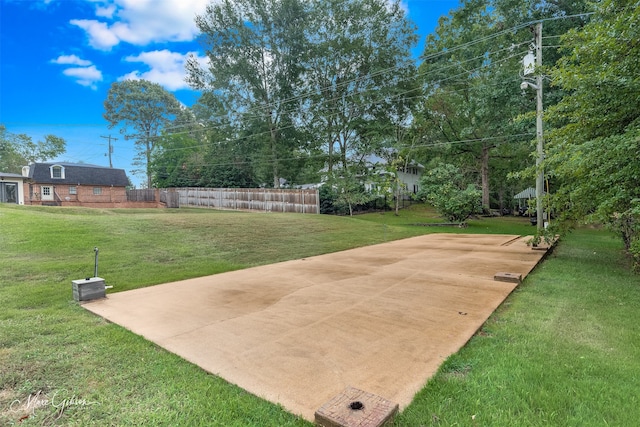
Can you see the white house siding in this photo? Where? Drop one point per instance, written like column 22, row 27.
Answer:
column 411, row 179
column 12, row 179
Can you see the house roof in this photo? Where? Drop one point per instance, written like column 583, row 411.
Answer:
column 79, row 174
column 373, row 159
column 528, row 193
column 11, row 175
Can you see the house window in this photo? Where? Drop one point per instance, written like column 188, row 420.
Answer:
column 46, row 191
column 415, row 189
column 57, row 172
column 97, row 191
column 73, row 190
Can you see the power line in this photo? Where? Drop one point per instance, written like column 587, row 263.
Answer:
column 267, row 132
column 445, row 51
column 268, row 160
column 252, row 113
column 265, row 107
column 260, row 108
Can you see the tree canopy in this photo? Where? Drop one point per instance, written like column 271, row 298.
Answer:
column 594, row 138
column 474, row 112
column 17, row 150
column 360, row 76
column 255, row 50
column 142, row 109
column 304, row 84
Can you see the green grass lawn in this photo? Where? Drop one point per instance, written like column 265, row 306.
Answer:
column 564, row 349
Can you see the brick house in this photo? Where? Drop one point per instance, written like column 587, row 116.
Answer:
column 74, row 184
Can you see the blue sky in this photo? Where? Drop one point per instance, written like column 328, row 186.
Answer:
column 58, row 59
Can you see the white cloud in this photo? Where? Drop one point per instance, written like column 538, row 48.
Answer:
column 71, row 60
column 161, row 59
column 85, row 76
column 100, row 36
column 165, row 68
column 106, row 11
column 140, row 22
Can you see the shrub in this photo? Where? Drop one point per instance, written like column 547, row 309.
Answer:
column 445, row 188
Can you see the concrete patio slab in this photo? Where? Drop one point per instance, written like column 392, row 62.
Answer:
column 380, row 318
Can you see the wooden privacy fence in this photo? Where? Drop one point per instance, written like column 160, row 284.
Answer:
column 253, row 199
column 144, row 195
column 170, row 198
column 151, row 197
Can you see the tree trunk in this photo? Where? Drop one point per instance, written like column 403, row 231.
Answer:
column 486, row 201
column 330, row 160
column 332, row 137
column 148, row 155
column 276, row 178
column 274, row 152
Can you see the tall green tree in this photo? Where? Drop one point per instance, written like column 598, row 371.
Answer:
column 177, row 161
column 17, row 150
column 204, row 151
column 255, row 50
column 10, row 159
column 472, row 70
column 311, row 83
column 392, row 136
column 473, row 92
column 142, row 109
column 594, row 146
column 358, row 65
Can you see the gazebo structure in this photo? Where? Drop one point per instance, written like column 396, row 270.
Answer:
column 527, row 193
column 524, row 203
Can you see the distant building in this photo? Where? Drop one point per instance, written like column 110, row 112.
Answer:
column 73, row 184
column 409, row 176
column 11, row 188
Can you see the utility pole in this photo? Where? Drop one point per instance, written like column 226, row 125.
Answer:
column 539, row 130
column 110, row 147
column 529, row 69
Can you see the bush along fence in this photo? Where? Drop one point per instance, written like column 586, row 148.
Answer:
column 251, row 199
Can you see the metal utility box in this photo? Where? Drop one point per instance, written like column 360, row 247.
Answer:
column 88, row 289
